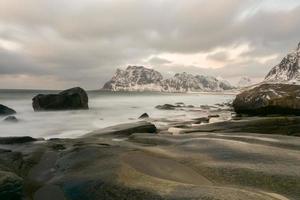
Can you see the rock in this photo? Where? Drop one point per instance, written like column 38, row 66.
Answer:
column 125, row 129
column 11, row 119
column 4, row 110
column 263, row 125
column 201, row 120
column 144, row 116
column 213, row 116
column 11, row 186
column 166, row 107
column 16, row 140
column 71, row 99
column 269, row 99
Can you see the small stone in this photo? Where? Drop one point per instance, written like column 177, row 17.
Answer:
column 11, row 119
column 144, row 116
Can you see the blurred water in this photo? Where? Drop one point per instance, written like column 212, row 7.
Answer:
column 106, row 108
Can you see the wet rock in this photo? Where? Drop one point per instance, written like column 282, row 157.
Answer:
column 201, row 120
column 207, row 107
column 144, row 116
column 4, row 110
column 11, row 186
column 125, row 129
column 11, row 119
column 71, row 99
column 213, row 116
column 16, row 140
column 166, row 107
column 264, row 125
column 268, row 99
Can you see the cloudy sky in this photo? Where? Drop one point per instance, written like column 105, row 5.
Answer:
column 55, row 44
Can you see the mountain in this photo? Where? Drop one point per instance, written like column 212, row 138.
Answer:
column 135, row 78
column 245, row 81
column 288, row 70
column 139, row 78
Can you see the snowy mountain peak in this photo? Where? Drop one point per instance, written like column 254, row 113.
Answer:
column 139, row 78
column 245, row 81
column 288, row 70
column 134, row 78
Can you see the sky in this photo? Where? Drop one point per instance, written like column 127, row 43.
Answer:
column 57, row 44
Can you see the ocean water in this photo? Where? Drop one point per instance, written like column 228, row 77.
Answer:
column 106, row 109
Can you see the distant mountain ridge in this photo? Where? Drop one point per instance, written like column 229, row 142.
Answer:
column 288, row 70
column 139, row 78
column 245, row 81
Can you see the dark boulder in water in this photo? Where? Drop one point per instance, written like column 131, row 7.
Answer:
column 11, row 119
column 268, row 99
column 144, row 116
column 4, row 110
column 71, row 99
column 166, row 107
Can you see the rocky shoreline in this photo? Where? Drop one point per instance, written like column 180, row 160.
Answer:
column 226, row 155
column 140, row 161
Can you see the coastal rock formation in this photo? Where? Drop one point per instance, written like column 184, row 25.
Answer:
column 269, row 99
column 71, row 99
column 227, row 166
column 4, row 110
column 288, row 70
column 138, row 78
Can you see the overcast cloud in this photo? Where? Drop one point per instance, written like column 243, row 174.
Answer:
column 54, row 44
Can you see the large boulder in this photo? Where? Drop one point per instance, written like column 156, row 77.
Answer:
column 269, row 99
column 4, row 110
column 71, row 99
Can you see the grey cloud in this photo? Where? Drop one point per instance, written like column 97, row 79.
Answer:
column 158, row 61
column 85, row 41
column 219, row 56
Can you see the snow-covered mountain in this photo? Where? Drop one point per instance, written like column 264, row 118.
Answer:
column 135, row 78
column 288, row 70
column 245, row 81
column 138, row 78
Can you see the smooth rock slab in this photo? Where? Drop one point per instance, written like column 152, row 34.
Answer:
column 11, row 186
column 125, row 129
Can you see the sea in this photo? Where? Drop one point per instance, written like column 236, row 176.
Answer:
column 106, row 109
